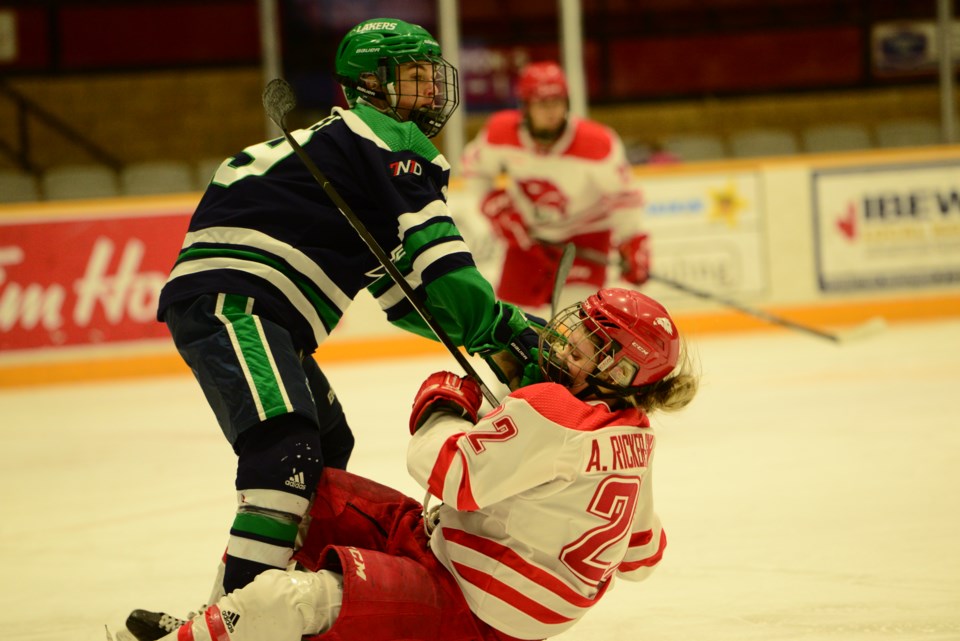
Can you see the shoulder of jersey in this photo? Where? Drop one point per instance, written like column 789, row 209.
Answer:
column 591, row 140
column 503, row 128
column 555, row 403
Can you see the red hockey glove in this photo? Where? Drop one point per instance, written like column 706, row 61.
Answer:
column 635, row 259
column 447, row 391
column 507, row 222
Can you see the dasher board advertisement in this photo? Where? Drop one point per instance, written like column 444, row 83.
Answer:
column 708, row 232
column 85, row 280
column 887, row 226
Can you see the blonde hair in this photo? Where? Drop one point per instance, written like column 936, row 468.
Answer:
column 673, row 392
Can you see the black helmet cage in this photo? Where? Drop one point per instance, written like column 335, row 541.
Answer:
column 446, row 91
column 611, row 373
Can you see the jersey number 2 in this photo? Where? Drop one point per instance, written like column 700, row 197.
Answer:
column 615, row 501
column 504, row 429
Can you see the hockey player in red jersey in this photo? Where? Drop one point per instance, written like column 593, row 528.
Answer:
column 544, row 178
column 546, row 501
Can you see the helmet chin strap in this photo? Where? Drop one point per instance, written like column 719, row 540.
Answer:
column 425, row 116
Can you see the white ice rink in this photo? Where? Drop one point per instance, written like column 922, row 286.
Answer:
column 811, row 492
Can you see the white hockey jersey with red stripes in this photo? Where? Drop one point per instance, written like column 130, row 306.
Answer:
column 546, row 500
column 581, row 184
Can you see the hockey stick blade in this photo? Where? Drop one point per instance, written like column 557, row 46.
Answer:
column 864, row 330
column 560, row 278
column 278, row 100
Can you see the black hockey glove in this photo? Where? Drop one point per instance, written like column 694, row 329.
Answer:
column 518, row 362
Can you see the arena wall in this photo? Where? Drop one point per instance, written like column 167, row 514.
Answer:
column 831, row 241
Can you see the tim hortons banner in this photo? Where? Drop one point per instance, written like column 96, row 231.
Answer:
column 90, row 275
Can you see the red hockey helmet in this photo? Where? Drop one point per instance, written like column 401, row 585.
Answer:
column 539, row 80
column 633, row 342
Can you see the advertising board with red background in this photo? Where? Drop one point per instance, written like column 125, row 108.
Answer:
column 86, row 275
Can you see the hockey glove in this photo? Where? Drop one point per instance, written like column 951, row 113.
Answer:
column 518, row 363
column 507, row 222
column 635, row 259
column 445, row 390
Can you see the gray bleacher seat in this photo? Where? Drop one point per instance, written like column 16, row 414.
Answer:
column 836, row 137
column 156, row 177
column 205, row 170
column 80, row 181
column 750, row 143
column 692, row 147
column 908, row 132
column 18, row 186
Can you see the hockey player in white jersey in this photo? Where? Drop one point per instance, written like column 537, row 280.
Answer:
column 546, row 501
column 542, row 178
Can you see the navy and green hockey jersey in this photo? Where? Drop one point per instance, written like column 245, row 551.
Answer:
column 266, row 229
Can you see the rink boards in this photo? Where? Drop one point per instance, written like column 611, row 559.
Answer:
column 825, row 240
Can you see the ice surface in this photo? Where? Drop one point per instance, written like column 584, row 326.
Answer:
column 811, row 492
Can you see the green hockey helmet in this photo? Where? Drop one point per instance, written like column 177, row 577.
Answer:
column 375, row 48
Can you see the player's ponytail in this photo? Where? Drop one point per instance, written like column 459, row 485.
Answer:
column 674, row 391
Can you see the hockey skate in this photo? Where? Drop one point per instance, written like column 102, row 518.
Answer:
column 150, row 626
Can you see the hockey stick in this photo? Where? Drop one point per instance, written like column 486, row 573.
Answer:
column 278, row 101
column 863, row 330
column 560, row 278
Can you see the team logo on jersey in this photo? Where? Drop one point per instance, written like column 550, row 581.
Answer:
column 545, row 196
column 395, row 255
column 402, row 167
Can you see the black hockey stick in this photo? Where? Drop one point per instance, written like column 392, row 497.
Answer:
column 868, row 328
column 863, row 330
column 278, row 101
column 560, row 277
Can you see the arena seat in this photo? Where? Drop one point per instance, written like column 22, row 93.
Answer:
column 907, row 132
column 692, row 147
column 80, row 181
column 156, row 177
column 204, row 171
column 836, row 137
column 750, row 143
column 18, row 186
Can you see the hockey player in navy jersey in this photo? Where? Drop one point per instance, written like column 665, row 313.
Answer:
column 269, row 266
column 547, row 501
